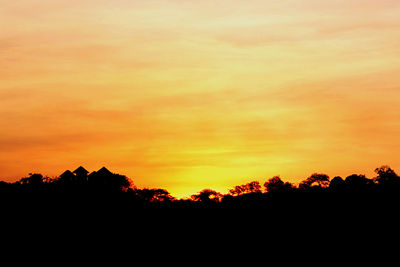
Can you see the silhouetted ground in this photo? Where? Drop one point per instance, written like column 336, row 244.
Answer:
column 102, row 217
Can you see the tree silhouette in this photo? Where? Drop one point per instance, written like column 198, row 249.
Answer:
column 358, row 181
column 386, row 176
column 109, row 181
column 33, row 179
column 252, row 187
column 315, row 180
column 154, row 195
column 207, row 196
column 275, row 184
column 337, row 183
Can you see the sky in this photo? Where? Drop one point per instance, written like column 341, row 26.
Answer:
column 188, row 95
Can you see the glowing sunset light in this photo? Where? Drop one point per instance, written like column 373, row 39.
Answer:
column 187, row 95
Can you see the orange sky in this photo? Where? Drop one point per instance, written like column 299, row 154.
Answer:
column 187, row 95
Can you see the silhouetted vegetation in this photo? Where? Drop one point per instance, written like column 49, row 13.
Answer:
column 104, row 189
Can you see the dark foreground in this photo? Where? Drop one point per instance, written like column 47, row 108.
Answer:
column 104, row 199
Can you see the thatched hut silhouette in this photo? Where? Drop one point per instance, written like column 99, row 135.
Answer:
column 82, row 176
column 81, row 173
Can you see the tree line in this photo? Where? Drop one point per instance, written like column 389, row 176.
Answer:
column 102, row 188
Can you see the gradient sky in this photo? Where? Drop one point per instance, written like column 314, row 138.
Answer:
column 187, row 95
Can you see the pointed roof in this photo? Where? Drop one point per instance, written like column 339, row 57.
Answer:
column 81, row 170
column 104, row 171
